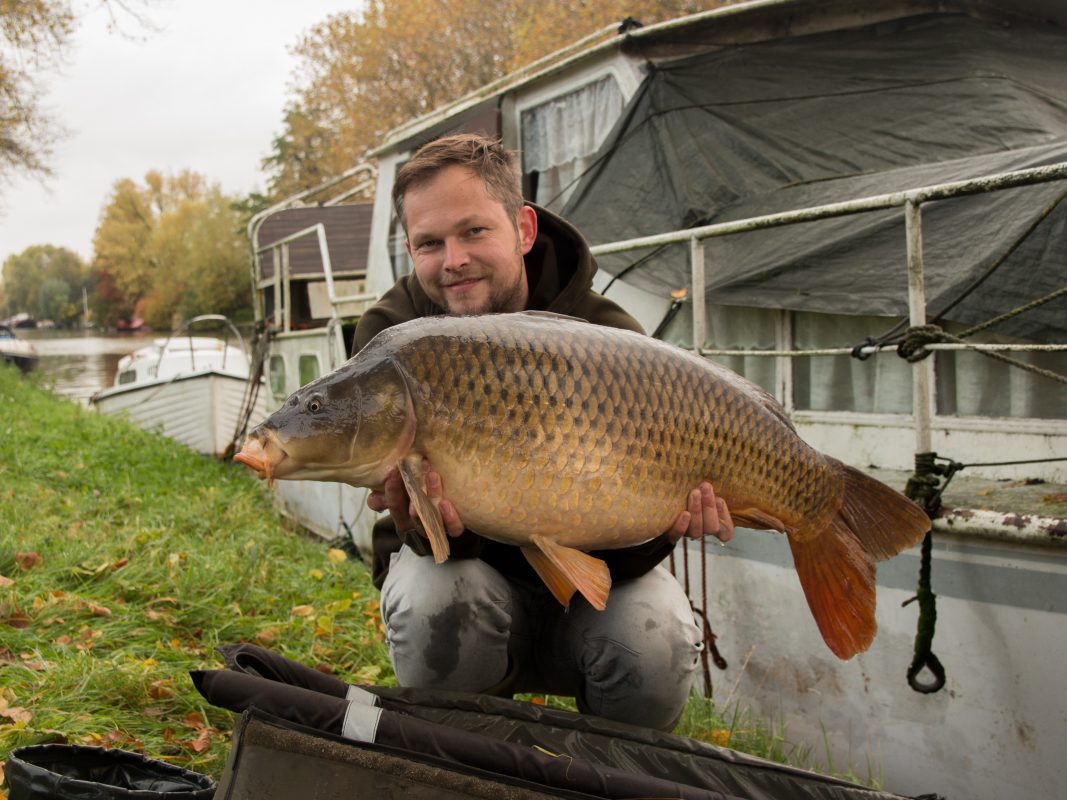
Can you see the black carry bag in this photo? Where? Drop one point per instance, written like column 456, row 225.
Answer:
column 307, row 734
column 76, row 772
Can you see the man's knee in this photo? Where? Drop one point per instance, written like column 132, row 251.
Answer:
column 639, row 659
column 448, row 624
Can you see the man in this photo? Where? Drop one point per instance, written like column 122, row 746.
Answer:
column 483, row 621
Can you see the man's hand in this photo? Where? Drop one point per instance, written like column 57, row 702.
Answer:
column 394, row 498
column 707, row 515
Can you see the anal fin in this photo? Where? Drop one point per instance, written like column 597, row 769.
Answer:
column 562, row 589
column 411, row 471
column 586, row 573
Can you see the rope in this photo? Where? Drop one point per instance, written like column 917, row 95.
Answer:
column 925, row 487
column 913, row 347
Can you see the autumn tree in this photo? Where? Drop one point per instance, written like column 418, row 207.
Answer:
column 173, row 246
column 362, row 74
column 34, row 34
column 45, row 282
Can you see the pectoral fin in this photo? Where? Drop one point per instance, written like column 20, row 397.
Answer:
column 757, row 520
column 411, row 472
column 569, row 569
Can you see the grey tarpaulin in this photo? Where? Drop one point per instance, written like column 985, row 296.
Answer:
column 754, row 129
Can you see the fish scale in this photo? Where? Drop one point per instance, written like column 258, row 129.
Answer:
column 559, row 436
column 603, row 398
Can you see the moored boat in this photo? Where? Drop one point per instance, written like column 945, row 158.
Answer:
column 199, row 390
column 14, row 350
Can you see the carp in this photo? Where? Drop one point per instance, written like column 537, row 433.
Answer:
column 559, row 436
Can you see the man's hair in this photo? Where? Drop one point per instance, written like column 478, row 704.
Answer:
column 487, row 158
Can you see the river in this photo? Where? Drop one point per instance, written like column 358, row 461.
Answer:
column 77, row 364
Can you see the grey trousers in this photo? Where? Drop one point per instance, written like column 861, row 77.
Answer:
column 462, row 625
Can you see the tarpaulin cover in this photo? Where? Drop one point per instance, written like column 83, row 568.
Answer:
column 754, row 129
column 465, row 736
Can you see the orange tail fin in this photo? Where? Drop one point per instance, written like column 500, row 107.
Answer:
column 836, row 566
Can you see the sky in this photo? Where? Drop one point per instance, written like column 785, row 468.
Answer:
column 204, row 91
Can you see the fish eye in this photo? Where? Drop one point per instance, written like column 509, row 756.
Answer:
column 314, row 404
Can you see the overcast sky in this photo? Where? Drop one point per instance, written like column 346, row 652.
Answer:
column 204, row 92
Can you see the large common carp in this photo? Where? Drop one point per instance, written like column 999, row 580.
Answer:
column 560, row 436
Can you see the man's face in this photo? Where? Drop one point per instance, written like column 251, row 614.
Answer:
column 467, row 250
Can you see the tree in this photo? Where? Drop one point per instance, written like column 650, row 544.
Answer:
column 360, row 75
column 175, row 246
column 46, row 282
column 33, row 36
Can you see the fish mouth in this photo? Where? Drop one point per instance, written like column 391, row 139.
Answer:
column 262, row 456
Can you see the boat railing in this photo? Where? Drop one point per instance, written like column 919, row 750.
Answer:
column 187, row 328
column 282, row 278
column 912, row 201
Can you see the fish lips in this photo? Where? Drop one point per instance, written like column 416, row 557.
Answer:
column 269, row 460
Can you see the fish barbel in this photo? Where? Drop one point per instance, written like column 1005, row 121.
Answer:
column 559, row 436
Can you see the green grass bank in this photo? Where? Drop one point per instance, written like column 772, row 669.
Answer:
column 126, row 558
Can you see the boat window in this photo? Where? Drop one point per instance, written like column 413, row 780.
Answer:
column 127, row 376
column 731, row 328
column 276, row 372
column 974, row 385
column 309, row 368
column 881, row 384
column 560, row 138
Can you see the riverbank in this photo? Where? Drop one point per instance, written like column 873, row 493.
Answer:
column 126, row 559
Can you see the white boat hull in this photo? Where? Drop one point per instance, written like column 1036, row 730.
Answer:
column 198, row 409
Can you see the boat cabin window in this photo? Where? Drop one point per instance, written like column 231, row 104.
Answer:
column 967, row 384
column 560, row 138
column 127, row 376
column 309, row 368
column 276, row 375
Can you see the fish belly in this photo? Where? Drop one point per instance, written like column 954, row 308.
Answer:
column 594, row 437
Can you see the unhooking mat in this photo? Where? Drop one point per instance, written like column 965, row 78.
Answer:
column 309, row 735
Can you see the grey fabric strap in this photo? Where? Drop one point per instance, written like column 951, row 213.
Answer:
column 357, row 694
column 361, row 722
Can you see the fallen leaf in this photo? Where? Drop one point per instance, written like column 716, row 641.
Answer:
column 5, row 581
column 194, row 720
column 303, row 611
column 336, row 556
column 203, row 741
column 16, row 714
column 28, row 560
column 98, row 610
column 267, row 635
column 1049, row 498
column 161, row 689
column 317, row 574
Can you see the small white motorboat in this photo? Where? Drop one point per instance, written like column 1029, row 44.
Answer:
column 14, row 350
column 199, row 390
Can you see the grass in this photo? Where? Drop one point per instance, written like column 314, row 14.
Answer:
column 126, row 558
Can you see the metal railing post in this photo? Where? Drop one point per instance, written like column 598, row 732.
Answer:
column 700, row 307
column 922, row 371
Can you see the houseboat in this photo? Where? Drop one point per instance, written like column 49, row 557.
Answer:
column 806, row 190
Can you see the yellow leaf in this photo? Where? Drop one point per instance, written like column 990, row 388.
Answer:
column 317, row 574
column 336, row 556
column 303, row 611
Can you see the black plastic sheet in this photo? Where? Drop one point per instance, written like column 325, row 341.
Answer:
column 75, row 772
